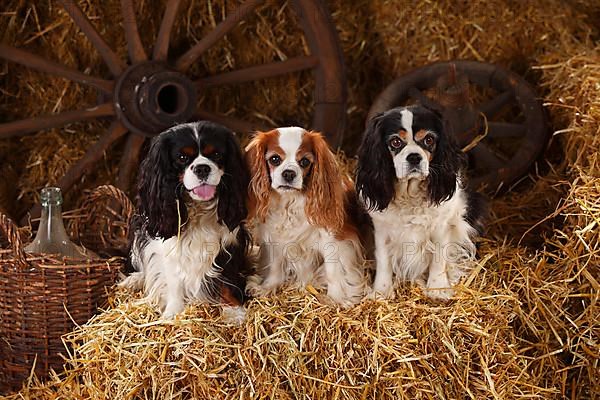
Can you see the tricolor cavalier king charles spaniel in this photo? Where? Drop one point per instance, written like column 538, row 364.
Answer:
column 302, row 204
column 189, row 241
column 409, row 176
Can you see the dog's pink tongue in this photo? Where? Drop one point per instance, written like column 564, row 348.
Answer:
column 205, row 192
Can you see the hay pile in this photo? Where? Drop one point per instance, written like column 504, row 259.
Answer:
column 525, row 324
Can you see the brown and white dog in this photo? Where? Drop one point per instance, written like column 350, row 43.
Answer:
column 301, row 203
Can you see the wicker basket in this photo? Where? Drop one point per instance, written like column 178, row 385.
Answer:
column 42, row 297
column 102, row 222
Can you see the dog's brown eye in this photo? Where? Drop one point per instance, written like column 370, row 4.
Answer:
column 182, row 158
column 217, row 156
column 275, row 160
column 304, row 162
column 396, row 142
column 428, row 141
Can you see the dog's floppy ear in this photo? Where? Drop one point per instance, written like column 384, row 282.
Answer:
column 325, row 190
column 447, row 162
column 375, row 174
column 159, row 192
column 259, row 189
column 232, row 189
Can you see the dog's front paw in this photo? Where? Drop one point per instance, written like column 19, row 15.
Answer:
column 134, row 282
column 443, row 294
column 234, row 315
column 344, row 298
column 387, row 294
column 381, row 290
column 256, row 286
column 438, row 287
column 172, row 309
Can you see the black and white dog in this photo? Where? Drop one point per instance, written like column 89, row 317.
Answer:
column 189, row 241
column 409, row 177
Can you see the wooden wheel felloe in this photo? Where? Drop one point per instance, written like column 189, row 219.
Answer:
column 493, row 114
column 152, row 91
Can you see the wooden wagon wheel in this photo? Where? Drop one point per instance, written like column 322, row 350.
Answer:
column 150, row 93
column 492, row 112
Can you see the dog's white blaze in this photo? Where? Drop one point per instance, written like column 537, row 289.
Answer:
column 400, row 164
column 195, row 129
column 407, row 121
column 290, row 139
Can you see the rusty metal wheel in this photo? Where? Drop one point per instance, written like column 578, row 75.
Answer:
column 492, row 112
column 151, row 92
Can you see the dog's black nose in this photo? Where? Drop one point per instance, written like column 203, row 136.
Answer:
column 288, row 175
column 202, row 171
column 414, row 158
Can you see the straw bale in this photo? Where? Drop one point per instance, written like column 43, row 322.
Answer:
column 294, row 345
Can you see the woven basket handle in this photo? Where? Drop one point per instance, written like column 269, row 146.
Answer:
column 102, row 192
column 114, row 193
column 14, row 238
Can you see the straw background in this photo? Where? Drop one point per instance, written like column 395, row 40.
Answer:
column 524, row 325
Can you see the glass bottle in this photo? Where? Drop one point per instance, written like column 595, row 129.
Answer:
column 51, row 237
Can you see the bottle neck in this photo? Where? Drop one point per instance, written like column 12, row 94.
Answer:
column 51, row 224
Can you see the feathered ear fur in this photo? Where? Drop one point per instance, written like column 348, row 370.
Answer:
column 375, row 174
column 325, row 189
column 159, row 191
column 232, row 209
column 448, row 160
column 260, row 182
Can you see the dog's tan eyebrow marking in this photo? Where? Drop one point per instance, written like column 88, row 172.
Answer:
column 421, row 134
column 275, row 149
column 188, row 151
column 403, row 134
column 208, row 149
column 305, row 147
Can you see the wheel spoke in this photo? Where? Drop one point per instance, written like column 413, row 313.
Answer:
column 506, row 130
column 484, row 155
column 187, row 59
column 161, row 47
column 92, row 155
column 129, row 160
column 493, row 106
column 28, row 126
column 41, row 64
column 236, row 125
column 135, row 47
column 416, row 94
column 114, row 63
column 259, row 72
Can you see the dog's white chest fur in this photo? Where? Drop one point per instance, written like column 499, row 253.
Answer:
column 286, row 220
column 292, row 251
column 286, row 236
column 176, row 270
column 422, row 243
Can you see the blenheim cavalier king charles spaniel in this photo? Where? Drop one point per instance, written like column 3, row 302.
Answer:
column 302, row 205
column 409, row 176
column 189, row 241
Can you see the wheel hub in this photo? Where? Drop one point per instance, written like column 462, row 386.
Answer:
column 461, row 118
column 150, row 97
